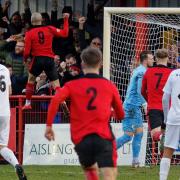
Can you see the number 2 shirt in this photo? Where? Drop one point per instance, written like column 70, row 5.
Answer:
column 152, row 85
column 172, row 87
column 5, row 82
column 91, row 98
column 38, row 40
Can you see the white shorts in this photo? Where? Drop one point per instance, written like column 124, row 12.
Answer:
column 4, row 130
column 172, row 136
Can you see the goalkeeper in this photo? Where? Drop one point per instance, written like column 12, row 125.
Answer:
column 133, row 122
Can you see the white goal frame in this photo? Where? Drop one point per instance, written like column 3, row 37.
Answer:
column 107, row 28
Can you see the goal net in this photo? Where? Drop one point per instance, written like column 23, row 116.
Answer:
column 127, row 32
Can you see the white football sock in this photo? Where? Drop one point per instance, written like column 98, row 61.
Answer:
column 164, row 168
column 9, row 156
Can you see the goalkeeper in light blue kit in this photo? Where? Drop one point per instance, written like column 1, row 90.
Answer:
column 133, row 121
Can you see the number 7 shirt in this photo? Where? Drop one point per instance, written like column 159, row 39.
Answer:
column 152, row 85
column 91, row 99
column 38, row 40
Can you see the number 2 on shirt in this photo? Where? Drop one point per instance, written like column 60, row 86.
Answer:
column 93, row 93
column 159, row 75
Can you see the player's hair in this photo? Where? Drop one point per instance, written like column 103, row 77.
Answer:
column 36, row 19
column 8, row 65
column 144, row 55
column 92, row 57
column 68, row 56
column 21, row 40
column 161, row 53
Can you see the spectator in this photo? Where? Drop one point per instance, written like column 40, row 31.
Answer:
column 94, row 24
column 41, row 80
column 57, row 61
column 73, row 72
column 26, row 16
column 64, row 46
column 18, row 23
column 95, row 42
column 70, row 60
column 18, row 83
column 69, row 69
column 4, row 13
column 172, row 54
column 45, row 19
column 15, row 58
column 14, row 26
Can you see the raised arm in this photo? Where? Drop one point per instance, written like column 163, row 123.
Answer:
column 62, row 32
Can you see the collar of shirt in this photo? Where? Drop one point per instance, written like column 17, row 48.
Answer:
column 92, row 75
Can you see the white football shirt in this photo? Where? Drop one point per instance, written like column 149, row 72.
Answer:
column 5, row 82
column 172, row 87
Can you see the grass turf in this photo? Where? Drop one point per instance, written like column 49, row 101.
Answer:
column 75, row 173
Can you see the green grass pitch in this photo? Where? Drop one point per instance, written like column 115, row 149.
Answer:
column 75, row 173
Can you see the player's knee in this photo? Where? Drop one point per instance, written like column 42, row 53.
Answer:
column 92, row 167
column 156, row 135
column 128, row 137
column 138, row 136
column 122, row 140
column 108, row 173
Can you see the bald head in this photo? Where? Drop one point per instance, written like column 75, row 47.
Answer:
column 36, row 19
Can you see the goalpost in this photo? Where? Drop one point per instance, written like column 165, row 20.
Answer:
column 127, row 32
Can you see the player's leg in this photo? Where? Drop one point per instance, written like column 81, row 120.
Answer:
column 91, row 172
column 109, row 173
column 165, row 163
column 29, row 91
column 106, row 157
column 172, row 136
column 127, row 126
column 86, row 158
column 162, row 138
column 136, row 146
column 34, row 71
column 5, row 152
column 136, row 143
column 156, row 119
column 125, row 138
column 51, row 72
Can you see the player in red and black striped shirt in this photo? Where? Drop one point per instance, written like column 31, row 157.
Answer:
column 38, row 45
column 152, row 90
column 92, row 98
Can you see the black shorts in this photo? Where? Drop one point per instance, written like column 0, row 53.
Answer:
column 43, row 63
column 156, row 119
column 94, row 149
